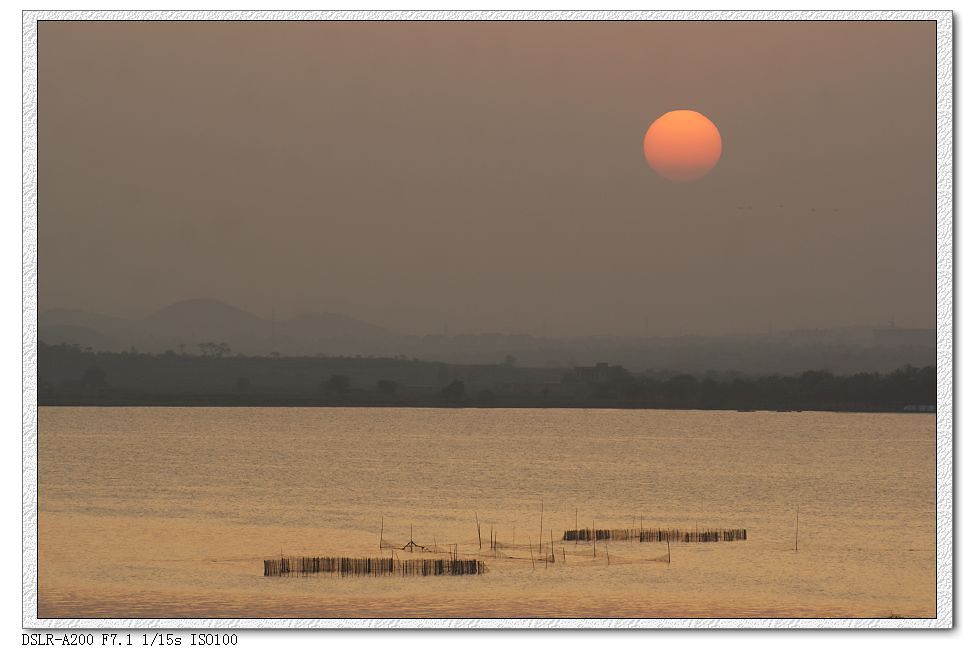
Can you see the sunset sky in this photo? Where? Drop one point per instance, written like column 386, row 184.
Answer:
column 490, row 176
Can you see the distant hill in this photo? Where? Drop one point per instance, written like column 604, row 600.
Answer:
column 185, row 325
column 82, row 328
column 191, row 322
column 65, row 334
column 182, row 327
column 82, row 319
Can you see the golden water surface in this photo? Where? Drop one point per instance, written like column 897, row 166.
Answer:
column 170, row 512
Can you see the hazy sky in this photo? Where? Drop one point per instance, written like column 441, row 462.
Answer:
column 490, row 176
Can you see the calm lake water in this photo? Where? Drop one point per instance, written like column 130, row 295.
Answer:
column 170, row 512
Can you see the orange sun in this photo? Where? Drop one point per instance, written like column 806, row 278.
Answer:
column 682, row 145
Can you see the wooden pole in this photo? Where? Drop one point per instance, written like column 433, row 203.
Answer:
column 594, row 539
column 477, row 525
column 541, row 518
column 380, row 532
column 531, row 552
column 797, row 528
column 668, row 550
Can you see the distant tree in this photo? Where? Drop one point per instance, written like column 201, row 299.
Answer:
column 816, row 386
column 94, row 377
column 443, row 372
column 454, row 392
column 629, row 389
column 682, row 389
column 386, row 386
column 510, row 361
column 337, row 383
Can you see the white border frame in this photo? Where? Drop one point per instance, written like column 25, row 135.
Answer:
column 944, row 301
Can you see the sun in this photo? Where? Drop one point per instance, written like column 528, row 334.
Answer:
column 682, row 145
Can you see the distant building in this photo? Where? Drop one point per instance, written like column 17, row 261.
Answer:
column 598, row 373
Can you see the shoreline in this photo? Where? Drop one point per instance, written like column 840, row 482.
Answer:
column 473, row 405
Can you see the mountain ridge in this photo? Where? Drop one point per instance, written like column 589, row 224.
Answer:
column 188, row 326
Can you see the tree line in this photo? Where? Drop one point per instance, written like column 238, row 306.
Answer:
column 68, row 375
column 811, row 390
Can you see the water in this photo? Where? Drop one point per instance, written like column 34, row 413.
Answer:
column 170, row 512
